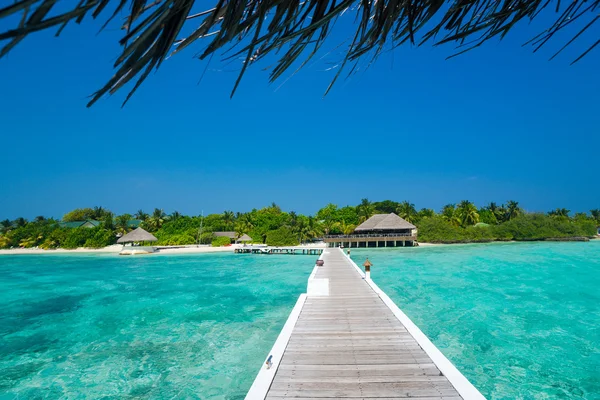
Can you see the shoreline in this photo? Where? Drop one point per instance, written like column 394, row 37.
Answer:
column 116, row 249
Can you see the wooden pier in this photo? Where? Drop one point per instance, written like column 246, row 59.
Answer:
column 279, row 250
column 346, row 339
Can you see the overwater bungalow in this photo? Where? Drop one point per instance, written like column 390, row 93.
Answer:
column 381, row 230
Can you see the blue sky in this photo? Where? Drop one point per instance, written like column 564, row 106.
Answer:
column 495, row 124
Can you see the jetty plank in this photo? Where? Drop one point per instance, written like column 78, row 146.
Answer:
column 349, row 344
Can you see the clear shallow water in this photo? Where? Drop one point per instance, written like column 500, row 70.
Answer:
column 520, row 320
column 156, row 327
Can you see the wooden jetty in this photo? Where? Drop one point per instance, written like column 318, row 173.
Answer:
column 345, row 338
column 279, row 250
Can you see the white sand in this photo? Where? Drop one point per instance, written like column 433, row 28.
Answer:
column 117, row 248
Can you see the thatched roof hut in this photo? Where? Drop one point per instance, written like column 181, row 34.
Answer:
column 137, row 235
column 384, row 222
column 244, row 238
column 231, row 235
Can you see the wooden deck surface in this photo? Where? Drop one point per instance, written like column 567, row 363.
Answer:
column 350, row 345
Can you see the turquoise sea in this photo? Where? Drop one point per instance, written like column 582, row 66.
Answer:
column 519, row 320
column 144, row 327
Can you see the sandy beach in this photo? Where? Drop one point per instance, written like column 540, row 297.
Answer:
column 117, row 248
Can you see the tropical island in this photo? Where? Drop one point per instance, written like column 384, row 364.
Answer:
column 455, row 223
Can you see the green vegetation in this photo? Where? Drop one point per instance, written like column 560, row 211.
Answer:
column 221, row 241
column 283, row 236
column 455, row 223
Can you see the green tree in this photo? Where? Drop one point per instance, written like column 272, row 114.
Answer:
column 174, row 215
column 309, row 228
column 559, row 213
column 282, row 237
column 329, row 225
column 329, row 212
column 5, row 225
column 228, row 219
column 99, row 214
column 20, row 222
column 156, row 221
column 450, row 215
column 365, row 210
column 596, row 214
column 407, row 211
column 426, row 213
column 242, row 226
column 499, row 212
column 141, row 215
column 221, row 241
column 122, row 223
column 108, row 221
column 347, row 229
column 487, row 216
column 467, row 213
column 512, row 210
column 78, row 214
column 386, row 206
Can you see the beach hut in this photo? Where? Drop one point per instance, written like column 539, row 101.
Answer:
column 135, row 236
column 244, row 238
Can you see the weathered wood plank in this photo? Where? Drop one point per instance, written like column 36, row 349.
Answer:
column 350, row 345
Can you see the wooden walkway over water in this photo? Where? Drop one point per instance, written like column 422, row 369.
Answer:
column 346, row 342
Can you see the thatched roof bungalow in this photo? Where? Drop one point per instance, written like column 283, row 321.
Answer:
column 381, row 230
column 244, row 238
column 385, row 223
column 137, row 235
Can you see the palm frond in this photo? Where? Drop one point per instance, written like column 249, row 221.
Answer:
column 253, row 29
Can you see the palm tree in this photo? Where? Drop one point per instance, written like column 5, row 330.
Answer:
column 310, row 229
column 426, row 213
column 467, row 213
column 228, row 219
column 39, row 218
column 512, row 209
column 152, row 30
column 450, row 215
column 365, row 210
column 141, row 215
column 407, row 211
column 175, row 215
column 99, row 213
column 596, row 214
column 329, row 225
column 6, row 225
column 31, row 241
column 5, row 241
column 559, row 212
column 122, row 223
column 156, row 221
column 20, row 222
column 347, row 229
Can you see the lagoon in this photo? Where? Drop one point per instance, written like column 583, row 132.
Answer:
column 519, row 320
column 104, row 326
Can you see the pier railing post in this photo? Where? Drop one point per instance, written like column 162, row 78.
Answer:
column 367, row 266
